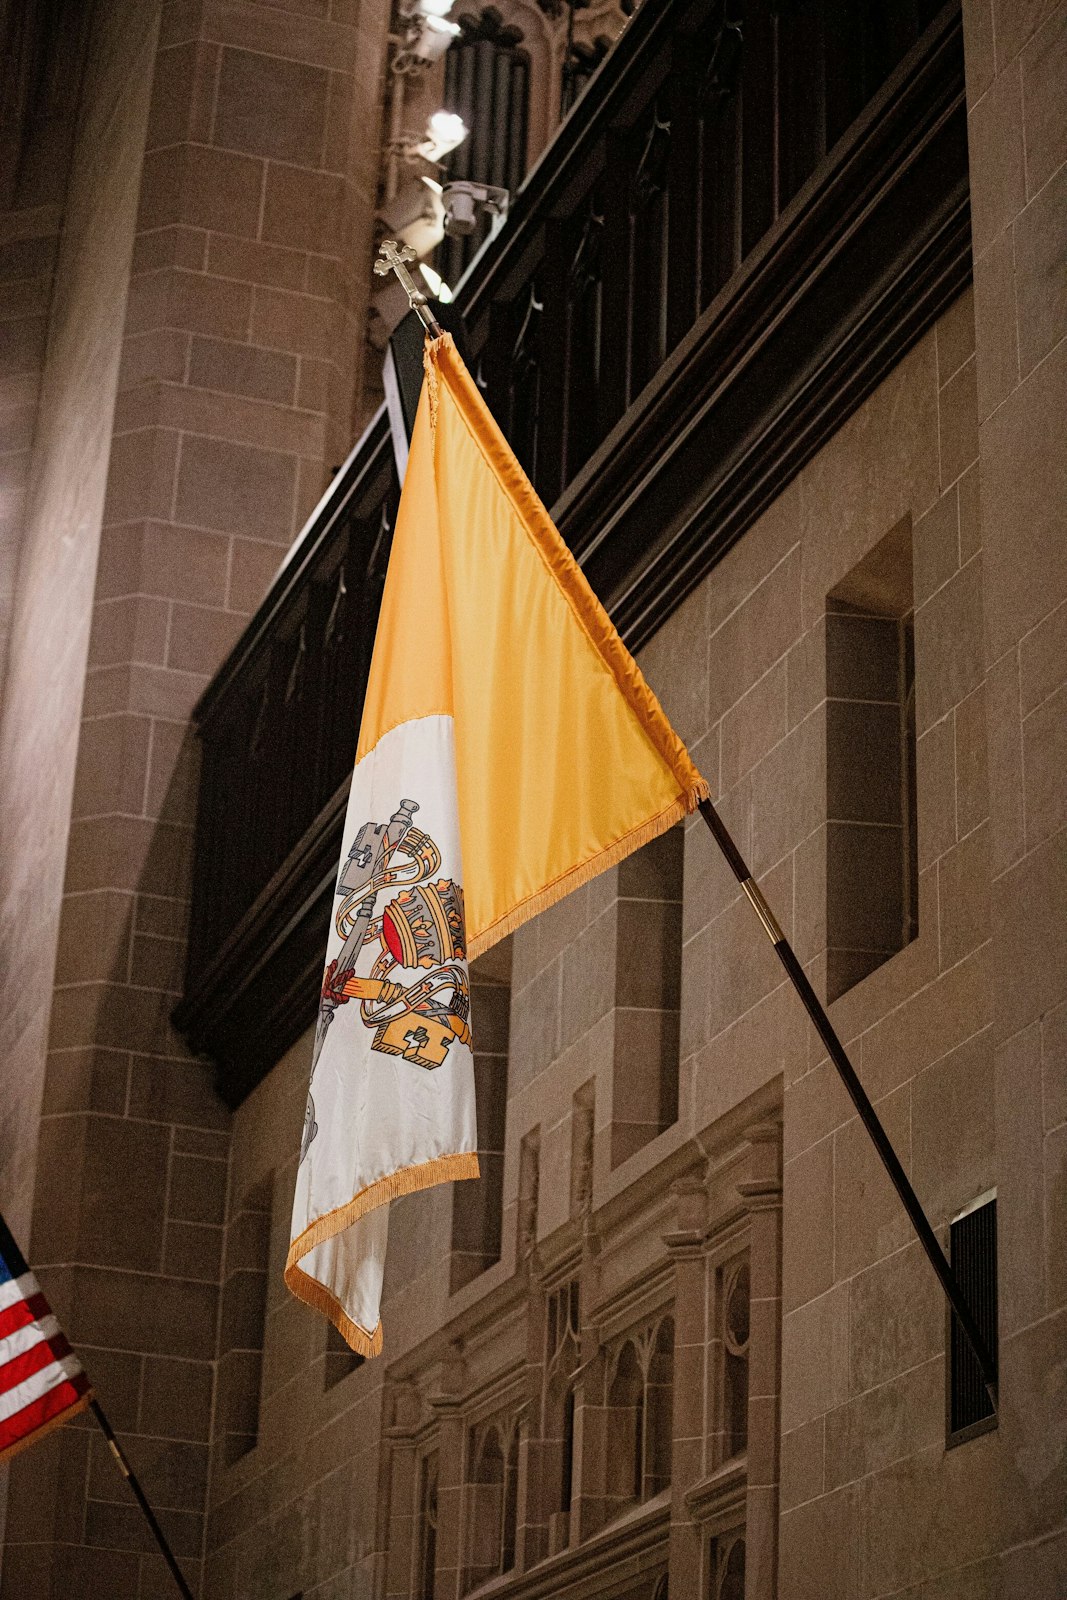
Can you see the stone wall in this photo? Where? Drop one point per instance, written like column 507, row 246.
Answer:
column 43, row 46
column 63, row 306
column 335, row 1495
column 718, row 1269
column 1017, row 99
column 64, row 346
column 864, row 1325
column 210, row 377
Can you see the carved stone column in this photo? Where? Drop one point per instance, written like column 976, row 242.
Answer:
column 590, row 1447
column 686, row 1246
column 448, row 1406
column 588, row 1481
column 402, row 1529
column 531, row 1542
column 761, row 1192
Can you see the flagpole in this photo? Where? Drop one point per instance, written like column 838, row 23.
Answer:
column 393, row 258
column 860, row 1099
column 34, row 1305
column 139, row 1495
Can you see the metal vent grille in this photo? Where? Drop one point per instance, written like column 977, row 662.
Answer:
column 973, row 1252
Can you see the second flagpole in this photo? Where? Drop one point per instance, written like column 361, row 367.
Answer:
column 139, row 1495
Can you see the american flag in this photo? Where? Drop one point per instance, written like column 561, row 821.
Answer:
column 41, row 1380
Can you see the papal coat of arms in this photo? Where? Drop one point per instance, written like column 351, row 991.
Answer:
column 420, row 927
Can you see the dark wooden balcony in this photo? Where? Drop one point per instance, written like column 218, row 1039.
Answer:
column 750, row 214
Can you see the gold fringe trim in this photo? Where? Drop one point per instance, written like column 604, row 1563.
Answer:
column 46, row 1427
column 406, row 1180
column 319, row 1298
column 585, row 871
column 430, row 369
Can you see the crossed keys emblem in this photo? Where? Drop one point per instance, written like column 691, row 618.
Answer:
column 421, row 927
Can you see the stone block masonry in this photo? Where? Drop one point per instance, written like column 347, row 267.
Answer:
column 212, row 379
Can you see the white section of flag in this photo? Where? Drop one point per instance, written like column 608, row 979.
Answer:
column 32, row 1388
column 16, row 1289
column 23, row 1339
column 377, row 1115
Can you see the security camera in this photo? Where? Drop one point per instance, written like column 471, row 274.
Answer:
column 463, row 201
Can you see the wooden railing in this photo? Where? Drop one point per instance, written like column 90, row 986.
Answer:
column 663, row 200
column 749, row 215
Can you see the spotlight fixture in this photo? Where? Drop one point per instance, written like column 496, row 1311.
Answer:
column 445, row 130
column 432, row 36
column 424, row 34
column 463, row 201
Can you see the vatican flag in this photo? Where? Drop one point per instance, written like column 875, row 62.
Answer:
column 509, row 750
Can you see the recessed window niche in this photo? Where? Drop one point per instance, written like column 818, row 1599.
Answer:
column 244, row 1310
column 973, row 1254
column 426, row 1577
column 492, row 1500
column 872, row 884
column 647, row 994
column 639, row 1417
column 340, row 1360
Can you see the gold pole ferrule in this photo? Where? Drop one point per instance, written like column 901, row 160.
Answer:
column 763, row 911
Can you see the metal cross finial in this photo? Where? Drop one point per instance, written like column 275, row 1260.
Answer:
column 393, row 257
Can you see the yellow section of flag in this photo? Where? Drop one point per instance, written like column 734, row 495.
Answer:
column 565, row 761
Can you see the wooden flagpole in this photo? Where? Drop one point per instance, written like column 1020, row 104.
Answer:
column 858, row 1095
column 17, row 1261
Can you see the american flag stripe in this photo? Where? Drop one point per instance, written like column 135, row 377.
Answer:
column 64, row 1395
column 42, row 1330
column 41, row 1379
column 46, row 1376
column 24, row 1366
column 13, row 1289
column 22, row 1313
